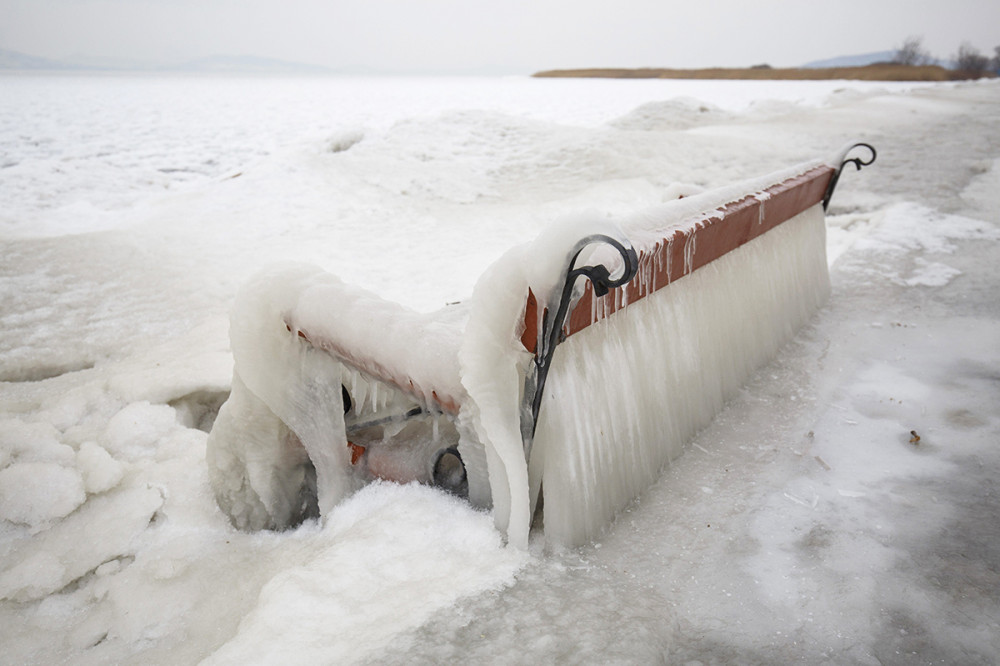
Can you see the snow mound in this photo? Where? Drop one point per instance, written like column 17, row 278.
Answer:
column 675, row 114
column 335, row 607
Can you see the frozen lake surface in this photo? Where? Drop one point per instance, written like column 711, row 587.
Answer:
column 72, row 142
column 801, row 526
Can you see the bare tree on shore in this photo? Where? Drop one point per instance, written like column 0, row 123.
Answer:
column 912, row 52
column 971, row 60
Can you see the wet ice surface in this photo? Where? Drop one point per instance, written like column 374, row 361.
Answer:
column 802, row 525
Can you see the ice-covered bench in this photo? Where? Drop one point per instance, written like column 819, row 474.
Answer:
column 541, row 390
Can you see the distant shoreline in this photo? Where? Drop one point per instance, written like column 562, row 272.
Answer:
column 874, row 72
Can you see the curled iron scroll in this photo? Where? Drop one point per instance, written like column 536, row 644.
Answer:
column 552, row 326
column 856, row 161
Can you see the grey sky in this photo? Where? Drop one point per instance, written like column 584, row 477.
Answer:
column 516, row 35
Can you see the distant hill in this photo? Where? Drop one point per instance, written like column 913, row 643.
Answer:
column 863, row 59
column 86, row 62
column 859, row 60
column 249, row 65
column 13, row 60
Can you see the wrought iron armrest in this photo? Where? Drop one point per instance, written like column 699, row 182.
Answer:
column 856, row 161
column 552, row 324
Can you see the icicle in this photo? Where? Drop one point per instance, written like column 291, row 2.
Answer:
column 669, row 254
column 653, row 265
column 689, row 249
column 355, row 397
column 761, row 197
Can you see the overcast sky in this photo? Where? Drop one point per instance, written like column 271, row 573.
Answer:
column 513, row 35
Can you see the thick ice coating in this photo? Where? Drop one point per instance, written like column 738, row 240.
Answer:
column 307, row 373
column 303, row 342
column 494, row 365
column 334, row 386
column 282, row 429
column 625, row 394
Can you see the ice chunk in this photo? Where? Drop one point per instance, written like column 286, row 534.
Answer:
column 34, row 577
column 101, row 530
column 34, row 493
column 32, row 441
column 134, row 431
column 100, row 471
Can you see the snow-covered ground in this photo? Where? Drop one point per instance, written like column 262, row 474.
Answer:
column 803, row 525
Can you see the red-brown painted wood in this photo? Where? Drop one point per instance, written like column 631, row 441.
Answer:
column 708, row 238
